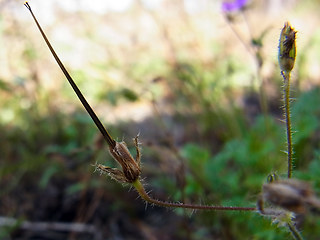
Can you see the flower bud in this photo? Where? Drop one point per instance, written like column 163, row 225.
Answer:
column 287, row 48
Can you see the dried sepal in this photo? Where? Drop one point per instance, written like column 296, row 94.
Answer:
column 284, row 199
column 114, row 173
column 273, row 212
column 138, row 153
column 287, row 48
column 130, row 167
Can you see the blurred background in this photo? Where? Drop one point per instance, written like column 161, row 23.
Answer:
column 197, row 79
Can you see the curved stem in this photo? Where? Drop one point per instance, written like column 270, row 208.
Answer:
column 286, row 77
column 144, row 195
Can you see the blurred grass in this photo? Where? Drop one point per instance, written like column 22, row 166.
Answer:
column 198, row 92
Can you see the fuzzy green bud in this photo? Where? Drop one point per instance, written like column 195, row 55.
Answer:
column 287, row 48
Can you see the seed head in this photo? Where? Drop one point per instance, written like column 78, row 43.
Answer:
column 130, row 167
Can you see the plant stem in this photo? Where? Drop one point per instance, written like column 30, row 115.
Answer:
column 294, row 231
column 144, row 195
column 286, row 77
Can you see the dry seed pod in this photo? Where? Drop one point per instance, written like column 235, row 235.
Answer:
column 130, row 167
column 291, row 194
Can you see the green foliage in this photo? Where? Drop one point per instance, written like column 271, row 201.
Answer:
column 227, row 158
column 234, row 176
column 228, row 173
column 306, row 112
column 207, row 93
column 40, row 143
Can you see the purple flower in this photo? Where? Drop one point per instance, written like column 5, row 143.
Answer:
column 235, row 5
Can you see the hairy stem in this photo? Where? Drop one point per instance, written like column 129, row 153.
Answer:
column 286, row 98
column 144, row 195
column 294, row 232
